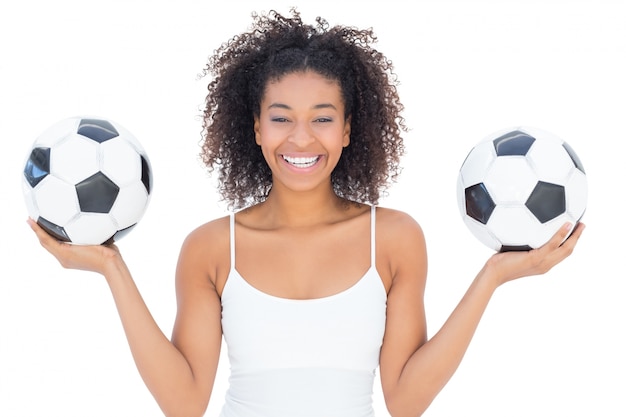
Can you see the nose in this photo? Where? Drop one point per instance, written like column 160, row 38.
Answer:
column 301, row 134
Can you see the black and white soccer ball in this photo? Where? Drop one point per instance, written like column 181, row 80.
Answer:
column 518, row 186
column 87, row 181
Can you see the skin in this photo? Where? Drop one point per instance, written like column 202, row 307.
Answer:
column 293, row 246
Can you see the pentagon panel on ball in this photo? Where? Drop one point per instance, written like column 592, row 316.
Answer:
column 87, row 181
column 518, row 186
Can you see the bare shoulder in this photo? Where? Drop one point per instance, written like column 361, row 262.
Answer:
column 397, row 226
column 401, row 245
column 206, row 233
column 206, row 250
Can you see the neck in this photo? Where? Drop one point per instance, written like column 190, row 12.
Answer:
column 284, row 208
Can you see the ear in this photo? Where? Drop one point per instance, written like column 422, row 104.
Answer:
column 257, row 131
column 346, row 132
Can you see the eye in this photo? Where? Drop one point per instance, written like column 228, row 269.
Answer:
column 323, row 120
column 279, row 119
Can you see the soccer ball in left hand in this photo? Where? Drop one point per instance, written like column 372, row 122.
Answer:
column 518, row 186
column 87, row 181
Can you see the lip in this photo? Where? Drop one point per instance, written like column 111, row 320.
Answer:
column 301, row 162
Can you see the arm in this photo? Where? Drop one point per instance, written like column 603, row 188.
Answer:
column 414, row 369
column 180, row 373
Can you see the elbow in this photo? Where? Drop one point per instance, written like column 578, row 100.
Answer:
column 185, row 409
column 407, row 406
column 405, row 412
column 184, row 412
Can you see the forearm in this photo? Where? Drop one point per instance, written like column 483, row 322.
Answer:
column 430, row 367
column 162, row 366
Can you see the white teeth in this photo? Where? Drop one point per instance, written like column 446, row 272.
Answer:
column 301, row 162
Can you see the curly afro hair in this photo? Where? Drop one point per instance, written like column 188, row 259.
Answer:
column 274, row 46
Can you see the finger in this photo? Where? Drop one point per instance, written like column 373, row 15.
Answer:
column 39, row 232
column 46, row 240
column 572, row 239
column 558, row 238
column 563, row 243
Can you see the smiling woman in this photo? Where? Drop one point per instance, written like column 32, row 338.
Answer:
column 338, row 56
column 302, row 129
column 312, row 285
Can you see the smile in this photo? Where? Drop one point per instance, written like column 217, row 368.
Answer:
column 301, row 162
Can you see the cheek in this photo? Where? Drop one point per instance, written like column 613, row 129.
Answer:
column 267, row 145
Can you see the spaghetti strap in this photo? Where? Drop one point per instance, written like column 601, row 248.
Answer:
column 232, row 241
column 373, row 237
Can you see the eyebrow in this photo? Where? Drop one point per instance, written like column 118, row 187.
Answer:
column 316, row 107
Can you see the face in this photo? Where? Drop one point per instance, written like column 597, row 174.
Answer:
column 302, row 130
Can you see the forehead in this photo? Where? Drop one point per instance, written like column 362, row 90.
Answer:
column 303, row 86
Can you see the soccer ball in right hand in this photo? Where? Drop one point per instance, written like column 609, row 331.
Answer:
column 518, row 186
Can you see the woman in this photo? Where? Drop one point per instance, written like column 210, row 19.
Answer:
column 311, row 284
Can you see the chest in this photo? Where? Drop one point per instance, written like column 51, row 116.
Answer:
column 304, row 264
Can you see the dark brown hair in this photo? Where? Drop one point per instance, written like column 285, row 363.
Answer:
column 276, row 45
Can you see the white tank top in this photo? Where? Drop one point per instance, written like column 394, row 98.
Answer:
column 292, row 358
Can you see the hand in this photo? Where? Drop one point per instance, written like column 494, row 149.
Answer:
column 512, row 265
column 94, row 258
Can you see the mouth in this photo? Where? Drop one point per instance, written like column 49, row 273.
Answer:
column 301, row 162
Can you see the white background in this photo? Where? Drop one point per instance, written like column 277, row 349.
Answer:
column 547, row 346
